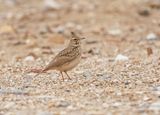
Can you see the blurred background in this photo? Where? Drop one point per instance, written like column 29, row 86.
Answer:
column 121, row 55
column 120, row 25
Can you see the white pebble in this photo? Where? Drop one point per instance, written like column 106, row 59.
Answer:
column 115, row 32
column 29, row 58
column 51, row 4
column 151, row 36
column 121, row 57
column 59, row 29
column 155, row 106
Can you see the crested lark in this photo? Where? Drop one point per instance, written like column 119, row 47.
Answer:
column 68, row 58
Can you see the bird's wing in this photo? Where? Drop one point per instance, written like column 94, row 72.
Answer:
column 59, row 60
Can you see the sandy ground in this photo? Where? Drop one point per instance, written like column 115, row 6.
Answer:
column 120, row 67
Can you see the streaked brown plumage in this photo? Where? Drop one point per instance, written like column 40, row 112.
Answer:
column 68, row 58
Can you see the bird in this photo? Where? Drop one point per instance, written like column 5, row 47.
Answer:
column 67, row 59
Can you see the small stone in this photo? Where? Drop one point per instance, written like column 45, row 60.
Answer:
column 121, row 57
column 151, row 36
column 31, row 43
column 117, row 104
column 29, row 58
column 59, row 29
column 51, row 5
column 146, row 98
column 115, row 32
column 62, row 104
column 144, row 12
column 156, row 88
column 105, row 105
column 155, row 106
column 67, row 90
column 9, row 105
column 127, row 82
column 37, row 51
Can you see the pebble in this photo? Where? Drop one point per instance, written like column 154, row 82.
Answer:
column 121, row 57
column 156, row 89
column 144, row 12
column 59, row 29
column 151, row 36
column 51, row 5
column 146, row 98
column 9, row 105
column 62, row 104
column 117, row 104
column 31, row 43
column 115, row 32
column 155, row 106
column 29, row 58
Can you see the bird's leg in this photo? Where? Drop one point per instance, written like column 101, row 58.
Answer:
column 67, row 75
column 62, row 76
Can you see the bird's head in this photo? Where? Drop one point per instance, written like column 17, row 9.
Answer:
column 75, row 40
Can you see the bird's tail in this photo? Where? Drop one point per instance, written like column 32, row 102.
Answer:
column 42, row 71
